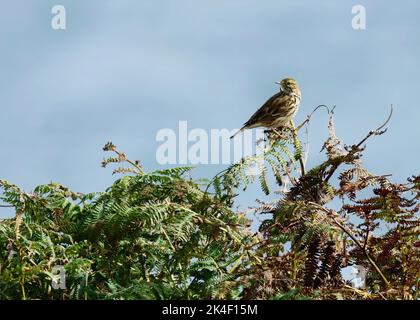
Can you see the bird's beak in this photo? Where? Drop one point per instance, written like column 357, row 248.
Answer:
column 277, row 82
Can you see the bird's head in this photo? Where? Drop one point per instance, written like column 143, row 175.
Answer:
column 289, row 85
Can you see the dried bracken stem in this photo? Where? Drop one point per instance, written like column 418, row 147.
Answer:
column 378, row 131
column 356, row 148
column 308, row 117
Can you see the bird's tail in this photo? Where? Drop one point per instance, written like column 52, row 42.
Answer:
column 239, row 131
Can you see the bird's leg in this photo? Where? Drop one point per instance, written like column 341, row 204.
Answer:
column 276, row 132
column 291, row 128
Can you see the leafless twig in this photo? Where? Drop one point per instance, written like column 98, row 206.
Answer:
column 308, row 117
column 378, row 131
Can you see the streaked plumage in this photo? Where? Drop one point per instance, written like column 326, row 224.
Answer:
column 279, row 110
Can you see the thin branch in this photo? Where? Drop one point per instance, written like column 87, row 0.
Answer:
column 168, row 239
column 289, row 175
column 308, row 117
column 378, row 131
column 305, row 158
column 296, row 140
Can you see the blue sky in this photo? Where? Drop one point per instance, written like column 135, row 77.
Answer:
column 122, row 70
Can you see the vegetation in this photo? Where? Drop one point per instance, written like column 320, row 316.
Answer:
column 161, row 235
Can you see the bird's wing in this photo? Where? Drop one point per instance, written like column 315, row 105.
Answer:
column 269, row 111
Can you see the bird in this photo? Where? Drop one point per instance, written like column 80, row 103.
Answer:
column 277, row 111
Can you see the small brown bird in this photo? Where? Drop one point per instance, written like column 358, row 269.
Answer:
column 279, row 110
